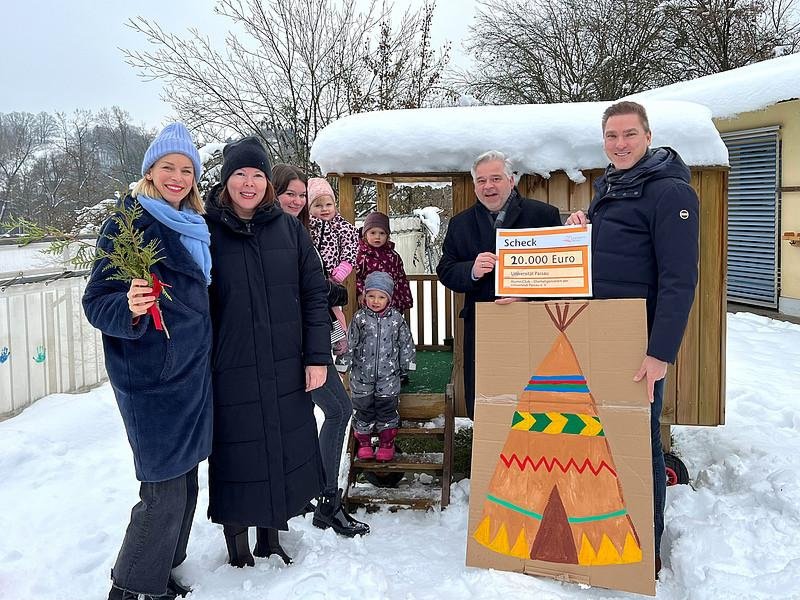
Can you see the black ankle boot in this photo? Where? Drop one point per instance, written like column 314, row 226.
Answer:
column 268, row 543
column 331, row 513
column 173, row 587
column 120, row 594
column 238, row 546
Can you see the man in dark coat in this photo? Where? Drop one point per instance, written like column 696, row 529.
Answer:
column 269, row 311
column 645, row 230
column 468, row 258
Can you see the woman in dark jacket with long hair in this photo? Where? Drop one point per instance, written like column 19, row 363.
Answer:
column 269, row 313
column 331, row 397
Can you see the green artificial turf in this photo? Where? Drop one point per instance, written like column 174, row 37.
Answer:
column 432, row 374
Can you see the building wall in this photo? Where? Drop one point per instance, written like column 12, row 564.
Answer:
column 787, row 115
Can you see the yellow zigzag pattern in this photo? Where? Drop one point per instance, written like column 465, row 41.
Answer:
column 607, row 554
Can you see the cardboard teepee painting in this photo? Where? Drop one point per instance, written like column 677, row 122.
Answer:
column 569, row 506
column 555, row 497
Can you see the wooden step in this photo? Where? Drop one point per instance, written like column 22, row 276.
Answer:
column 424, row 461
column 412, row 496
column 409, row 431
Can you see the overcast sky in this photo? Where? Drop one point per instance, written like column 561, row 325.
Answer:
column 59, row 56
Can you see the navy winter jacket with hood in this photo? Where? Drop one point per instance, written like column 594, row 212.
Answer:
column 162, row 385
column 645, row 228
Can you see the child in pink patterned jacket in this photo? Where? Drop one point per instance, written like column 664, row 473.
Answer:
column 334, row 237
column 376, row 253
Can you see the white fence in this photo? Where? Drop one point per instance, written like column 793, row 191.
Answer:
column 46, row 344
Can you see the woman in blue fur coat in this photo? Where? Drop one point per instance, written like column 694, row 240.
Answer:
column 162, row 384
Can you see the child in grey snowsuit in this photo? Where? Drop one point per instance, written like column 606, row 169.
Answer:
column 381, row 349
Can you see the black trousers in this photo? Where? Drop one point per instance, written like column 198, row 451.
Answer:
column 469, row 365
column 157, row 535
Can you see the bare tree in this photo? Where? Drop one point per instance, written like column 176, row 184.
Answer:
column 52, row 167
column 572, row 50
column 121, row 145
column 710, row 36
column 289, row 68
column 21, row 136
column 545, row 51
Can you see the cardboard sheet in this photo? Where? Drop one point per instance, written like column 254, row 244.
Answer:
column 561, row 469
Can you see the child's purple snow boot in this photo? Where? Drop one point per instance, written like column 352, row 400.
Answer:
column 386, row 446
column 365, row 451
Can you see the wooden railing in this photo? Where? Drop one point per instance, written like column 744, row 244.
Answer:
column 432, row 317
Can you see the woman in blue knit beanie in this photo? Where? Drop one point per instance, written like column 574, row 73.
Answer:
column 162, row 381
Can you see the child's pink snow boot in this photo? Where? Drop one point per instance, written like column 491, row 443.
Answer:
column 365, row 451
column 386, row 447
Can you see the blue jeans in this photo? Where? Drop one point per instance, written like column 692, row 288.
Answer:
column 335, row 404
column 659, row 469
column 157, row 535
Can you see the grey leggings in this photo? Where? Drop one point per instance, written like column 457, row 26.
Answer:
column 335, row 404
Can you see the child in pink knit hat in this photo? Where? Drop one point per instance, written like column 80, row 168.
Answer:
column 335, row 238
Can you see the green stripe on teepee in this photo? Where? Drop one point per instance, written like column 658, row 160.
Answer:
column 538, row 517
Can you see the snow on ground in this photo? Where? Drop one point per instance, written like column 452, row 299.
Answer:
column 67, row 485
column 538, row 138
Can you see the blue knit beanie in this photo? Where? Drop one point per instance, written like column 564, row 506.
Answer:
column 174, row 138
column 380, row 281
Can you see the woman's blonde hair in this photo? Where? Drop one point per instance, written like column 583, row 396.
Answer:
column 146, row 187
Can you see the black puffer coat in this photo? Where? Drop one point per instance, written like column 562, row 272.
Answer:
column 269, row 311
column 645, row 228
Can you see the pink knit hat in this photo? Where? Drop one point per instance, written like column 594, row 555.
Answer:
column 318, row 186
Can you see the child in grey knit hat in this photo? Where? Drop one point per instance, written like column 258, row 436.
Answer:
column 381, row 349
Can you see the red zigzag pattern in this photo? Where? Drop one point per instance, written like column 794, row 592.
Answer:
column 587, row 464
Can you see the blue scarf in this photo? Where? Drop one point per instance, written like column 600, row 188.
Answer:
column 191, row 226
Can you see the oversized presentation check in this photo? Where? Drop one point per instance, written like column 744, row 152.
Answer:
column 547, row 262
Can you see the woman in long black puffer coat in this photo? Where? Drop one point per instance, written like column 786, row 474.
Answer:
column 271, row 333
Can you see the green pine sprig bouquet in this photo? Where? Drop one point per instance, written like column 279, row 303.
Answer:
column 129, row 258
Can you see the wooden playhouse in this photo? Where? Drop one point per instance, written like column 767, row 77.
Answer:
column 557, row 152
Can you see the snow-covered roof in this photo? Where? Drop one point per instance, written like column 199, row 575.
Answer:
column 736, row 91
column 538, row 138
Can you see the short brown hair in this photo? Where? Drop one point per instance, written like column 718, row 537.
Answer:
column 626, row 107
column 224, row 197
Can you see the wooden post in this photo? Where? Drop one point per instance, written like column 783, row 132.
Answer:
column 383, row 196
column 347, row 208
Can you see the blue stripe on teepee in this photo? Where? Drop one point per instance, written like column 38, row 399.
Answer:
column 564, row 387
column 557, row 383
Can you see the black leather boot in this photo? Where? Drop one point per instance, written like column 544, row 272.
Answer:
column 120, row 594
column 173, row 587
column 268, row 543
column 331, row 513
column 238, row 546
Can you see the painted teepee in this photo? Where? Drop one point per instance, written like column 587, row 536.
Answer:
column 555, row 495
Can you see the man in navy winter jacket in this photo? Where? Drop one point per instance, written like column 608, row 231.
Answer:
column 468, row 259
column 645, row 231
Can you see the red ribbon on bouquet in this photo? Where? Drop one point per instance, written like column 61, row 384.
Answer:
column 155, row 309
